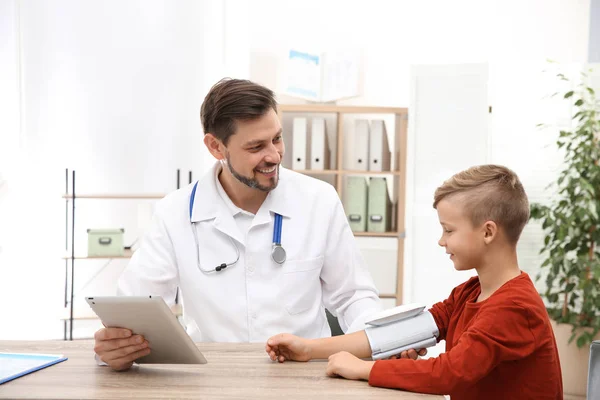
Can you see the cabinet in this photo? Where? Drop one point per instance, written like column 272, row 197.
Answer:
column 340, row 123
column 72, row 198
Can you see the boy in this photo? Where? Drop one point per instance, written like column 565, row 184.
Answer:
column 499, row 342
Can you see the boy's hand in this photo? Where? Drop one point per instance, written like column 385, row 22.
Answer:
column 348, row 366
column 288, row 347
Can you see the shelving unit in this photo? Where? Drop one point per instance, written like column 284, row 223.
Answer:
column 71, row 197
column 337, row 173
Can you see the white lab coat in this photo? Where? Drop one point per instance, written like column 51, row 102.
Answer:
column 255, row 298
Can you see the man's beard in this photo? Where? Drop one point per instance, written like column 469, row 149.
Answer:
column 253, row 182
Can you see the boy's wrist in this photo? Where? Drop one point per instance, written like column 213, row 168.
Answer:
column 367, row 369
column 317, row 349
column 323, row 348
column 310, row 348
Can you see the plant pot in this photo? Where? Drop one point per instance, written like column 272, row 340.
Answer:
column 574, row 362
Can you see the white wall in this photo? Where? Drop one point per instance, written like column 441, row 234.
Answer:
column 9, row 139
column 113, row 90
column 513, row 37
column 119, row 85
column 396, row 34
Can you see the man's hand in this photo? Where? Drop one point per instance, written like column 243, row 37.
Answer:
column 288, row 347
column 348, row 366
column 119, row 348
column 412, row 354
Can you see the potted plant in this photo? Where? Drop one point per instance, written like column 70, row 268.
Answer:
column 571, row 250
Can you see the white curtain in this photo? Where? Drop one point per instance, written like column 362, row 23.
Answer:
column 111, row 89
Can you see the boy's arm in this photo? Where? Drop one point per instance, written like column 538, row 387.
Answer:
column 290, row 347
column 442, row 311
column 355, row 343
column 478, row 351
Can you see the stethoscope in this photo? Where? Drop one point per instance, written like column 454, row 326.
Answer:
column 277, row 253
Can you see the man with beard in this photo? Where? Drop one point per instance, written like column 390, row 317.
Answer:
column 254, row 249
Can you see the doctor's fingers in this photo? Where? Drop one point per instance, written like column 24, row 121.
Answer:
column 411, row 354
column 112, row 333
column 125, row 355
column 123, row 364
column 114, row 344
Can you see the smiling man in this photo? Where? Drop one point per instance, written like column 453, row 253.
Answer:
column 255, row 249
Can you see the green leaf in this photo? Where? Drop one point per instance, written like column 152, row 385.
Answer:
column 573, row 334
column 570, row 220
column 546, row 262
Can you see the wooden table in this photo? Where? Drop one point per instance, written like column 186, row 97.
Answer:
column 234, row 371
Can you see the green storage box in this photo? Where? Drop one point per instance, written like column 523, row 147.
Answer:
column 105, row 242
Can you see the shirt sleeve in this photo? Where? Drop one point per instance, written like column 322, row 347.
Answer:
column 478, row 351
column 152, row 269
column 347, row 286
column 442, row 312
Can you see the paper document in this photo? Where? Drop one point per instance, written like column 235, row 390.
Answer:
column 14, row 365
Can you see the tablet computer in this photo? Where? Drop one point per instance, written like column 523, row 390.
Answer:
column 395, row 314
column 150, row 317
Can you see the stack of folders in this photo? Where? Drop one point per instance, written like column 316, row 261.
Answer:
column 371, row 146
column 405, row 327
column 315, row 140
column 368, row 206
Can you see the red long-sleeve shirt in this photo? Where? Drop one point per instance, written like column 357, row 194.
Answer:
column 500, row 348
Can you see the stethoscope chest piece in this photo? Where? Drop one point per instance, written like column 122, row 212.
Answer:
column 278, row 254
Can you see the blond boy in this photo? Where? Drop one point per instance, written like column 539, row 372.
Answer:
column 499, row 342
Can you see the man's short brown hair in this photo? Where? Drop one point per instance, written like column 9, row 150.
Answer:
column 231, row 100
column 489, row 193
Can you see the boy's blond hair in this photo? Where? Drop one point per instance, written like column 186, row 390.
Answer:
column 489, row 193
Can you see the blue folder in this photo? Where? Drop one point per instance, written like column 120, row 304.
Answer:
column 14, row 365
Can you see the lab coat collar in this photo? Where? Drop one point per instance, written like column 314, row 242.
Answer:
column 208, row 204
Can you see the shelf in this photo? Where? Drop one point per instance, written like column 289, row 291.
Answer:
column 89, row 315
column 342, row 168
column 343, row 172
column 376, row 234
column 325, row 108
column 355, row 172
column 128, row 254
column 115, row 196
column 317, row 171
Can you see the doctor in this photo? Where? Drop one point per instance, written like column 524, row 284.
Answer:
column 254, row 248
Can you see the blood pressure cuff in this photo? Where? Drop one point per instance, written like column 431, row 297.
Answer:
column 417, row 332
